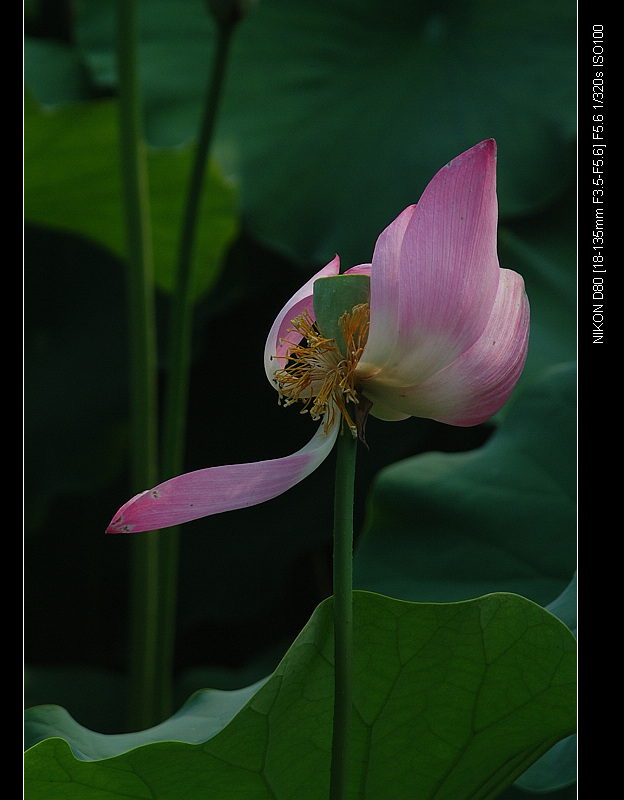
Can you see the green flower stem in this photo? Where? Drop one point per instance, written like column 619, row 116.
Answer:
column 143, row 372
column 343, row 614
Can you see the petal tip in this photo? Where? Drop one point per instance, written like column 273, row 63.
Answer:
column 487, row 148
column 489, row 145
column 119, row 524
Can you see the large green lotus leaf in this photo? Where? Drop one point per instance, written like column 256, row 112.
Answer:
column 72, row 182
column 205, row 714
column 557, row 768
column 336, row 114
column 446, row 527
column 451, row 701
column 97, row 698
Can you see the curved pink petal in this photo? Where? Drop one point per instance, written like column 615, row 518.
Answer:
column 217, row 489
column 277, row 345
column 361, row 269
column 435, row 273
column 474, row 386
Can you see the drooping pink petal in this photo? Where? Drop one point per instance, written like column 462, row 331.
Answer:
column 434, row 273
column 217, row 489
column 277, row 344
column 477, row 384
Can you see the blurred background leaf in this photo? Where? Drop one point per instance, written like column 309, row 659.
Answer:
column 336, row 113
column 72, row 182
column 445, row 527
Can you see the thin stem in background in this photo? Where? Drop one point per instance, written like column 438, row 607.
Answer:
column 143, row 372
column 343, row 614
column 179, row 354
column 179, row 362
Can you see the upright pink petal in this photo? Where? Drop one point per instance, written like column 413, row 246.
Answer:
column 434, row 273
column 474, row 386
column 217, row 489
column 277, row 345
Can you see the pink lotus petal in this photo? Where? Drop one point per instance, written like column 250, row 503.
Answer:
column 277, row 345
column 217, row 489
column 361, row 269
column 479, row 382
column 435, row 273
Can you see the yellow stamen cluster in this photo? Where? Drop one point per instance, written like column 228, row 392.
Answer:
column 317, row 372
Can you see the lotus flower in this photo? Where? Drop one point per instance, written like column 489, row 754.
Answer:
column 441, row 332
